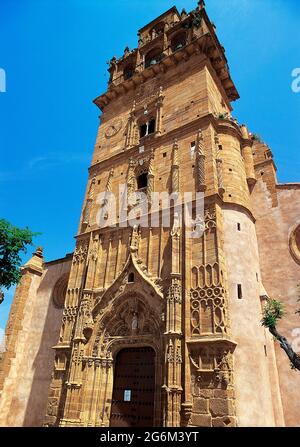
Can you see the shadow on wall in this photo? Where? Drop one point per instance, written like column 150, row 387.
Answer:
column 43, row 363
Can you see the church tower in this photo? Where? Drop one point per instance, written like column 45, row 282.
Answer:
column 161, row 324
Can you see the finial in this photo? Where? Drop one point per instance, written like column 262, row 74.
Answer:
column 39, row 252
column 200, row 135
column 183, row 13
column 201, row 4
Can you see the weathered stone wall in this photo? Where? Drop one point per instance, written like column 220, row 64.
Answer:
column 27, row 376
column 277, row 209
column 254, row 354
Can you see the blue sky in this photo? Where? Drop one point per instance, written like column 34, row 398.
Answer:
column 54, row 53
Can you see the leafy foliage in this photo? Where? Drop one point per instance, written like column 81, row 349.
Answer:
column 13, row 242
column 273, row 312
column 256, row 137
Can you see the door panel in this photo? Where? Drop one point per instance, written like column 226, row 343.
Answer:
column 134, row 383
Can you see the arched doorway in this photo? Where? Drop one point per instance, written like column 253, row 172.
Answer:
column 134, row 387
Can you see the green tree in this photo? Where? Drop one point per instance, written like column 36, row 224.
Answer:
column 272, row 314
column 13, row 242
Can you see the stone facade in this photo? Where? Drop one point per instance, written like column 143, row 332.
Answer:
column 166, row 126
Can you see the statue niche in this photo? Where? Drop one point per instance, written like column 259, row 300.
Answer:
column 131, row 317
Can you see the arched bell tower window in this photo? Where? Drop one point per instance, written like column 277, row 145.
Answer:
column 153, row 57
column 157, row 30
column 128, row 72
column 142, row 181
column 178, row 41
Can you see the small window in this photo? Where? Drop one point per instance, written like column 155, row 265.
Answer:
column 240, row 291
column 193, row 148
column 164, row 155
column 220, row 147
column 143, row 130
column 131, row 277
column 151, row 127
column 127, row 395
column 142, row 181
column 239, row 227
column 147, row 128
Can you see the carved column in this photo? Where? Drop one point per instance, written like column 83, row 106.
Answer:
column 105, row 390
column 64, row 393
column 173, row 335
column 108, row 190
column 98, row 389
column 92, row 261
column 159, row 106
column 200, row 163
column 150, row 186
column 89, row 201
column 175, row 168
column 131, row 130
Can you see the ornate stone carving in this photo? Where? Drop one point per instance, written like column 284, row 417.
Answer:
column 174, row 293
column 131, row 317
column 86, row 322
column 213, row 366
column 210, row 219
column 70, row 313
column 208, row 311
column 81, row 251
column 176, row 229
column 175, row 168
column 89, row 201
column 159, row 106
column 93, row 252
column 135, row 238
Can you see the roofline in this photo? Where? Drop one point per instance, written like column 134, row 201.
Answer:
column 67, row 258
column 174, row 9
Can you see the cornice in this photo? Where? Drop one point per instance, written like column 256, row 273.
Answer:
column 261, row 164
column 205, row 43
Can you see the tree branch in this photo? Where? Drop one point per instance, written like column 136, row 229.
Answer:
column 284, row 344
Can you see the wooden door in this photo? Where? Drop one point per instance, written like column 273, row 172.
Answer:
column 134, row 384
